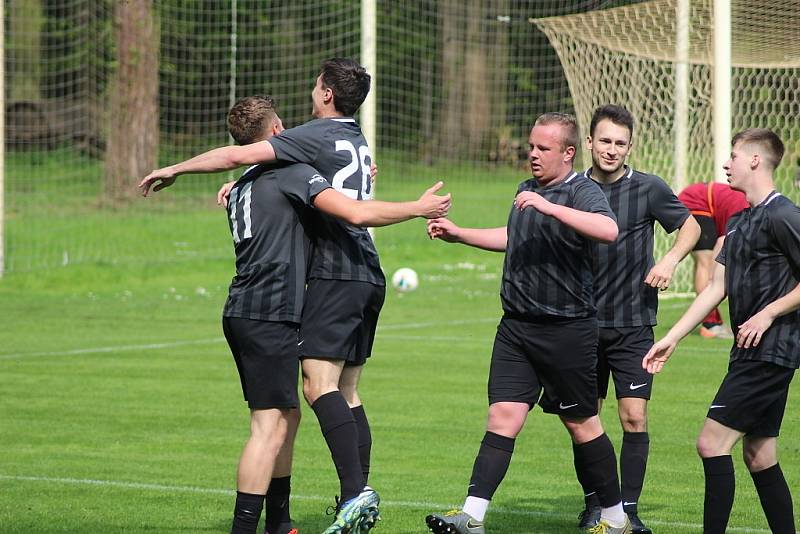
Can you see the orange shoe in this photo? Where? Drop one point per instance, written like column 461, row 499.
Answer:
column 718, row 331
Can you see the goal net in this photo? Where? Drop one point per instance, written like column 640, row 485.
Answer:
column 628, row 55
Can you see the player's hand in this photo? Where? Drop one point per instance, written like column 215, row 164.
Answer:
column 658, row 355
column 223, row 193
column 751, row 330
column 158, row 180
column 431, row 205
column 373, row 172
column 661, row 274
column 443, row 229
column 529, row 199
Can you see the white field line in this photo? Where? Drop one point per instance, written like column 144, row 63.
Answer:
column 209, row 341
column 420, row 505
column 168, row 345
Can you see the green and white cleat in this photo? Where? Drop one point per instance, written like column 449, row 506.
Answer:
column 354, row 514
column 454, row 522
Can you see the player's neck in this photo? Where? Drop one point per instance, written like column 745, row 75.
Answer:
column 329, row 113
column 599, row 175
column 557, row 179
column 759, row 191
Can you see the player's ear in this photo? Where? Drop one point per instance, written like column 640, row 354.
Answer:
column 755, row 160
column 569, row 153
column 589, row 142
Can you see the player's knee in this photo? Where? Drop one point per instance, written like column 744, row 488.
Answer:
column 634, row 421
column 758, row 459
column 506, row 420
column 707, row 447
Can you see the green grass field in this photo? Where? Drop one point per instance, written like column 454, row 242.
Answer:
column 120, row 407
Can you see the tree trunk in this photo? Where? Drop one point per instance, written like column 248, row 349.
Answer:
column 133, row 102
column 24, row 50
column 450, row 135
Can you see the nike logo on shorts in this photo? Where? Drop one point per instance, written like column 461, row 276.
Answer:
column 561, row 405
column 628, row 503
column 301, row 342
column 716, row 406
column 637, row 386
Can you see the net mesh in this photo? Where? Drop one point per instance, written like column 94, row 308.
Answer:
column 627, row 55
column 458, row 84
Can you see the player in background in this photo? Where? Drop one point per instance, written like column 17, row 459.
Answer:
column 334, row 340
column 712, row 204
column 627, row 280
column 547, row 338
column 759, row 270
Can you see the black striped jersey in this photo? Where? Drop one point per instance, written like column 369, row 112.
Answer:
column 548, row 265
column 337, row 149
column 638, row 200
column 761, row 255
column 268, row 215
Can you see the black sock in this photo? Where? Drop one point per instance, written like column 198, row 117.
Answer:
column 590, row 498
column 276, row 506
column 720, row 488
column 632, row 466
column 246, row 513
column 600, row 466
column 776, row 500
column 364, row 439
column 490, row 465
column 339, row 429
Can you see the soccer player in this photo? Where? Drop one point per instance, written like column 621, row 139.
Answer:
column 335, row 340
column 712, row 204
column 759, row 271
column 269, row 217
column 626, row 285
column 547, row 338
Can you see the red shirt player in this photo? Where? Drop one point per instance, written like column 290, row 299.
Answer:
column 712, row 205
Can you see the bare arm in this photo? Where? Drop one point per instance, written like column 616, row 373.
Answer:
column 595, row 226
column 218, row 159
column 492, row 239
column 706, row 301
column 661, row 274
column 378, row 213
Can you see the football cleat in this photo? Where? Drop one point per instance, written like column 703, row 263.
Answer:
column 637, row 527
column 351, row 514
column 603, row 527
column 589, row 517
column 454, row 522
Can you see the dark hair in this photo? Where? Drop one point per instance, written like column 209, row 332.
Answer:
column 616, row 114
column 568, row 123
column 349, row 82
column 766, row 139
column 250, row 118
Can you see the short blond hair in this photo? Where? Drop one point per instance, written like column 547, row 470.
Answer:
column 569, row 125
column 767, row 141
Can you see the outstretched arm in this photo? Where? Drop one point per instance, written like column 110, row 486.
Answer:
column 218, row 159
column 595, row 226
column 706, row 301
column 379, row 213
column 661, row 274
column 493, row 239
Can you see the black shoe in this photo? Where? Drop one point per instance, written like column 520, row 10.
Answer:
column 637, row 527
column 589, row 517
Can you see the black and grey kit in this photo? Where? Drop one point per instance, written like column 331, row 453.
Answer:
column 761, row 255
column 337, row 149
column 267, row 213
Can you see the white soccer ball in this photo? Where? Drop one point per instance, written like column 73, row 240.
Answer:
column 405, row 280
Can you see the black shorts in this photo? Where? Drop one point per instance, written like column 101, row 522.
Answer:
column 556, row 355
column 752, row 398
column 619, row 353
column 267, row 358
column 339, row 320
column 708, row 232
